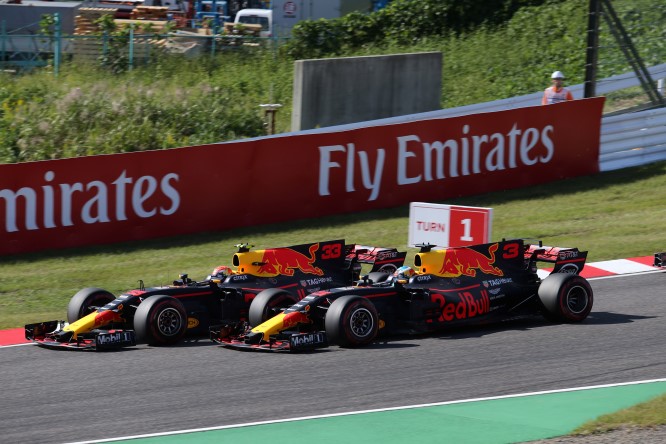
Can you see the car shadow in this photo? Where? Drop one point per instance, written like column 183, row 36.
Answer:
column 519, row 324
column 392, row 343
column 202, row 341
column 609, row 318
column 400, row 341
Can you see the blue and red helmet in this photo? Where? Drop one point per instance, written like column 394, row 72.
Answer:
column 403, row 274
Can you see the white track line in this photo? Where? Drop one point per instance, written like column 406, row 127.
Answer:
column 360, row 412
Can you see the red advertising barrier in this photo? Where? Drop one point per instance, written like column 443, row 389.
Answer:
column 122, row 197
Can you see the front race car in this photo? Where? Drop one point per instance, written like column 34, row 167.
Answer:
column 343, row 316
column 275, row 335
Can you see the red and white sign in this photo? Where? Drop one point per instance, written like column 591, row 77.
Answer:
column 448, row 225
column 289, row 8
column 115, row 198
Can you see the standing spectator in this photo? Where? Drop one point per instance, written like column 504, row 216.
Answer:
column 556, row 93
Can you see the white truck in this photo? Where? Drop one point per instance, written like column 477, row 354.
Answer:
column 284, row 14
column 263, row 17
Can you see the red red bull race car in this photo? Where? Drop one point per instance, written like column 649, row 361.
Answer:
column 96, row 319
column 448, row 287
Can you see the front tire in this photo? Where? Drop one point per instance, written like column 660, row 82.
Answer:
column 351, row 321
column 269, row 303
column 86, row 301
column 160, row 320
column 566, row 297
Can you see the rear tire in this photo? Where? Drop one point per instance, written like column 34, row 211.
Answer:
column 269, row 303
column 86, row 301
column 566, row 297
column 160, row 320
column 351, row 321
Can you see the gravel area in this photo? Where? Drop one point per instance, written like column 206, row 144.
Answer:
column 624, row 435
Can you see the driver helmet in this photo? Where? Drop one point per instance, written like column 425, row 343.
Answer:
column 221, row 272
column 402, row 274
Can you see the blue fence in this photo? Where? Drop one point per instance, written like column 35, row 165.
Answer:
column 27, row 51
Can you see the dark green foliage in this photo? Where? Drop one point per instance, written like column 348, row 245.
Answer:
column 403, row 22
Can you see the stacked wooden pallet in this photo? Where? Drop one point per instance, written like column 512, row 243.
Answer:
column 84, row 22
column 244, row 29
column 143, row 26
column 91, row 46
column 149, row 13
column 84, row 25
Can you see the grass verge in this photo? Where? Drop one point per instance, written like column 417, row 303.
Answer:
column 648, row 414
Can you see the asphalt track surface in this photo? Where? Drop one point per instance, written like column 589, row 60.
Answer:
column 62, row 396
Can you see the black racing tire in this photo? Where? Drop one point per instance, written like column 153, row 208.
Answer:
column 351, row 321
column 378, row 276
column 269, row 303
column 86, row 301
column 160, row 320
column 566, row 297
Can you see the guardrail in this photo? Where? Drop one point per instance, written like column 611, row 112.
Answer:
column 633, row 139
column 630, row 139
column 604, row 86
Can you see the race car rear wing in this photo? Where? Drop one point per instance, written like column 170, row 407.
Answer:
column 381, row 259
column 565, row 260
column 315, row 258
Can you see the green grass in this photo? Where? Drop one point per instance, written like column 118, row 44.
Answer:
column 613, row 215
column 647, row 414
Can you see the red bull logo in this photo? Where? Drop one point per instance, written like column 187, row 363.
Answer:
column 467, row 306
column 466, row 261
column 294, row 318
column 285, row 261
column 105, row 317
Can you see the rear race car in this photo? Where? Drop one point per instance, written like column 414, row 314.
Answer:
column 447, row 288
column 163, row 315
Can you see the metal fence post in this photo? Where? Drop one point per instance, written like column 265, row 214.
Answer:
column 212, row 47
column 3, row 42
column 57, row 44
column 131, row 48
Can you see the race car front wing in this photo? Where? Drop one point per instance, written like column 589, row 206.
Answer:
column 238, row 336
column 51, row 334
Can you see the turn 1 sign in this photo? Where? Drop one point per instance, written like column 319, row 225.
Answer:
column 448, row 225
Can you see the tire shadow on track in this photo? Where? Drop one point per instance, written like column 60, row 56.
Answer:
column 610, row 318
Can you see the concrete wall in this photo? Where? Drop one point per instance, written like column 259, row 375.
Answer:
column 26, row 15
column 336, row 91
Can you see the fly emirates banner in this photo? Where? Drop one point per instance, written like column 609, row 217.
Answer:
column 122, row 197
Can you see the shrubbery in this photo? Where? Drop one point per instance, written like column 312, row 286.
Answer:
column 402, row 22
column 170, row 104
column 179, row 102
